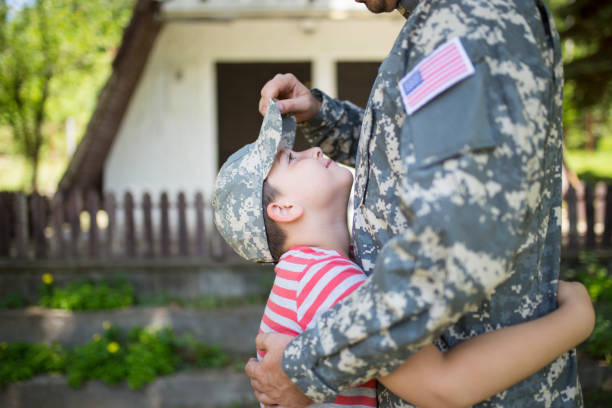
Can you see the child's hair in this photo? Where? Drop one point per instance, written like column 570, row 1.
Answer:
column 275, row 235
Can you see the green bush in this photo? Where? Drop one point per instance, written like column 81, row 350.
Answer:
column 20, row 361
column 12, row 301
column 150, row 353
column 138, row 358
column 87, row 295
column 103, row 358
column 599, row 345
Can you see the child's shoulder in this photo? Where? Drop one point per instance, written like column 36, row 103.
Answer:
column 309, row 254
column 304, row 258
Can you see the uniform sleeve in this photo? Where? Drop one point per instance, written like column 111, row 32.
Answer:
column 472, row 207
column 335, row 128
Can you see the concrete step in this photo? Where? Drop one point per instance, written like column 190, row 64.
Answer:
column 202, row 389
column 234, row 329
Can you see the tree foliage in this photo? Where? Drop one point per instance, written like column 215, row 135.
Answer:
column 51, row 54
column 586, row 28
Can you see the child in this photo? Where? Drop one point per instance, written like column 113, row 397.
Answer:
column 273, row 204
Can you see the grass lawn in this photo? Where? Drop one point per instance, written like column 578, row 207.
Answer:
column 590, row 166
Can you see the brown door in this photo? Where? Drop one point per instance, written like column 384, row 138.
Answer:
column 355, row 80
column 238, row 91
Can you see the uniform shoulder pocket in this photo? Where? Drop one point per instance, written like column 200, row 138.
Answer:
column 456, row 121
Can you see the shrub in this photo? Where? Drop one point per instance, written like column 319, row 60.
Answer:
column 20, row 361
column 87, row 295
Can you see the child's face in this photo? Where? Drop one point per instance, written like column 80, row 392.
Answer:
column 310, row 178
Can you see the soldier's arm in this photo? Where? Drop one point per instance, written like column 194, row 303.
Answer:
column 335, row 128
column 487, row 364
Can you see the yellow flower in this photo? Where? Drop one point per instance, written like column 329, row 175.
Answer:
column 106, row 324
column 96, row 336
column 112, row 347
column 3, row 345
column 47, row 278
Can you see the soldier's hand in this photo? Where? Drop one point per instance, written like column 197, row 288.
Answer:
column 269, row 381
column 293, row 97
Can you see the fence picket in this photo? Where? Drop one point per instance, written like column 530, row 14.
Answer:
column 57, row 218
column 148, row 225
column 130, row 233
column 110, row 207
column 74, row 211
column 21, row 225
column 201, row 248
column 606, row 237
column 165, row 225
column 5, row 223
column 182, row 225
column 92, row 210
column 589, row 207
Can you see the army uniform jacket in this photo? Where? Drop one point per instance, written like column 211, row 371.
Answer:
column 456, row 206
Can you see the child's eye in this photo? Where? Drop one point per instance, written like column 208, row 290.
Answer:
column 290, row 157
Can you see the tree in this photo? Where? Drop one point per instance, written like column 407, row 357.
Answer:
column 586, row 32
column 45, row 46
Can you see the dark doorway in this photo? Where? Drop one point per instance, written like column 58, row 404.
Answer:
column 238, row 91
column 355, row 80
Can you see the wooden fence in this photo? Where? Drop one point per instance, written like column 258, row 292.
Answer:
column 85, row 225
column 587, row 217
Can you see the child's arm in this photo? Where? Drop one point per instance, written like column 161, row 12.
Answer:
column 492, row 362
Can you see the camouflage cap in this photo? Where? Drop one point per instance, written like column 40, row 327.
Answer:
column 237, row 199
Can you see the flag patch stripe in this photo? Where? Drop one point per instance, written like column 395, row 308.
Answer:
column 440, row 70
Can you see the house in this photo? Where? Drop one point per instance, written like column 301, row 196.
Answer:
column 185, row 84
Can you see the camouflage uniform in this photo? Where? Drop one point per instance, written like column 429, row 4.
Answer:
column 457, row 206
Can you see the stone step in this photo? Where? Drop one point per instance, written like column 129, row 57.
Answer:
column 234, row 329
column 197, row 389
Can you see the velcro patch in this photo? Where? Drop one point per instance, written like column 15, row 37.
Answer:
column 443, row 68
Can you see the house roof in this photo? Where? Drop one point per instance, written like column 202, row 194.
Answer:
column 86, row 167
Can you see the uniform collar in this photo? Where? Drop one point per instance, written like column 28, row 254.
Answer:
column 405, row 7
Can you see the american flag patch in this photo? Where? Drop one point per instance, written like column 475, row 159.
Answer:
column 447, row 65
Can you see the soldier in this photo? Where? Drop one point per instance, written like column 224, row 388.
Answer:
column 457, row 200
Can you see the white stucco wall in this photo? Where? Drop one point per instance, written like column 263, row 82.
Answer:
column 168, row 138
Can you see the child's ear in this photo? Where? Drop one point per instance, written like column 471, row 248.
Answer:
column 284, row 212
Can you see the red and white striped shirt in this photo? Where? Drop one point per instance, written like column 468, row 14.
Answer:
column 308, row 282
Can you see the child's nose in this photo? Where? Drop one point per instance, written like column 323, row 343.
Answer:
column 318, row 153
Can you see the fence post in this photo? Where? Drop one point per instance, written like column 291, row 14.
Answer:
column 5, row 224
column 130, row 236
column 182, row 225
column 39, row 223
column 607, row 233
column 92, row 209
column 201, row 247
column 21, row 225
column 165, row 228
column 57, row 216
column 74, row 211
column 572, row 215
column 148, row 225
column 589, row 205
column 110, row 206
